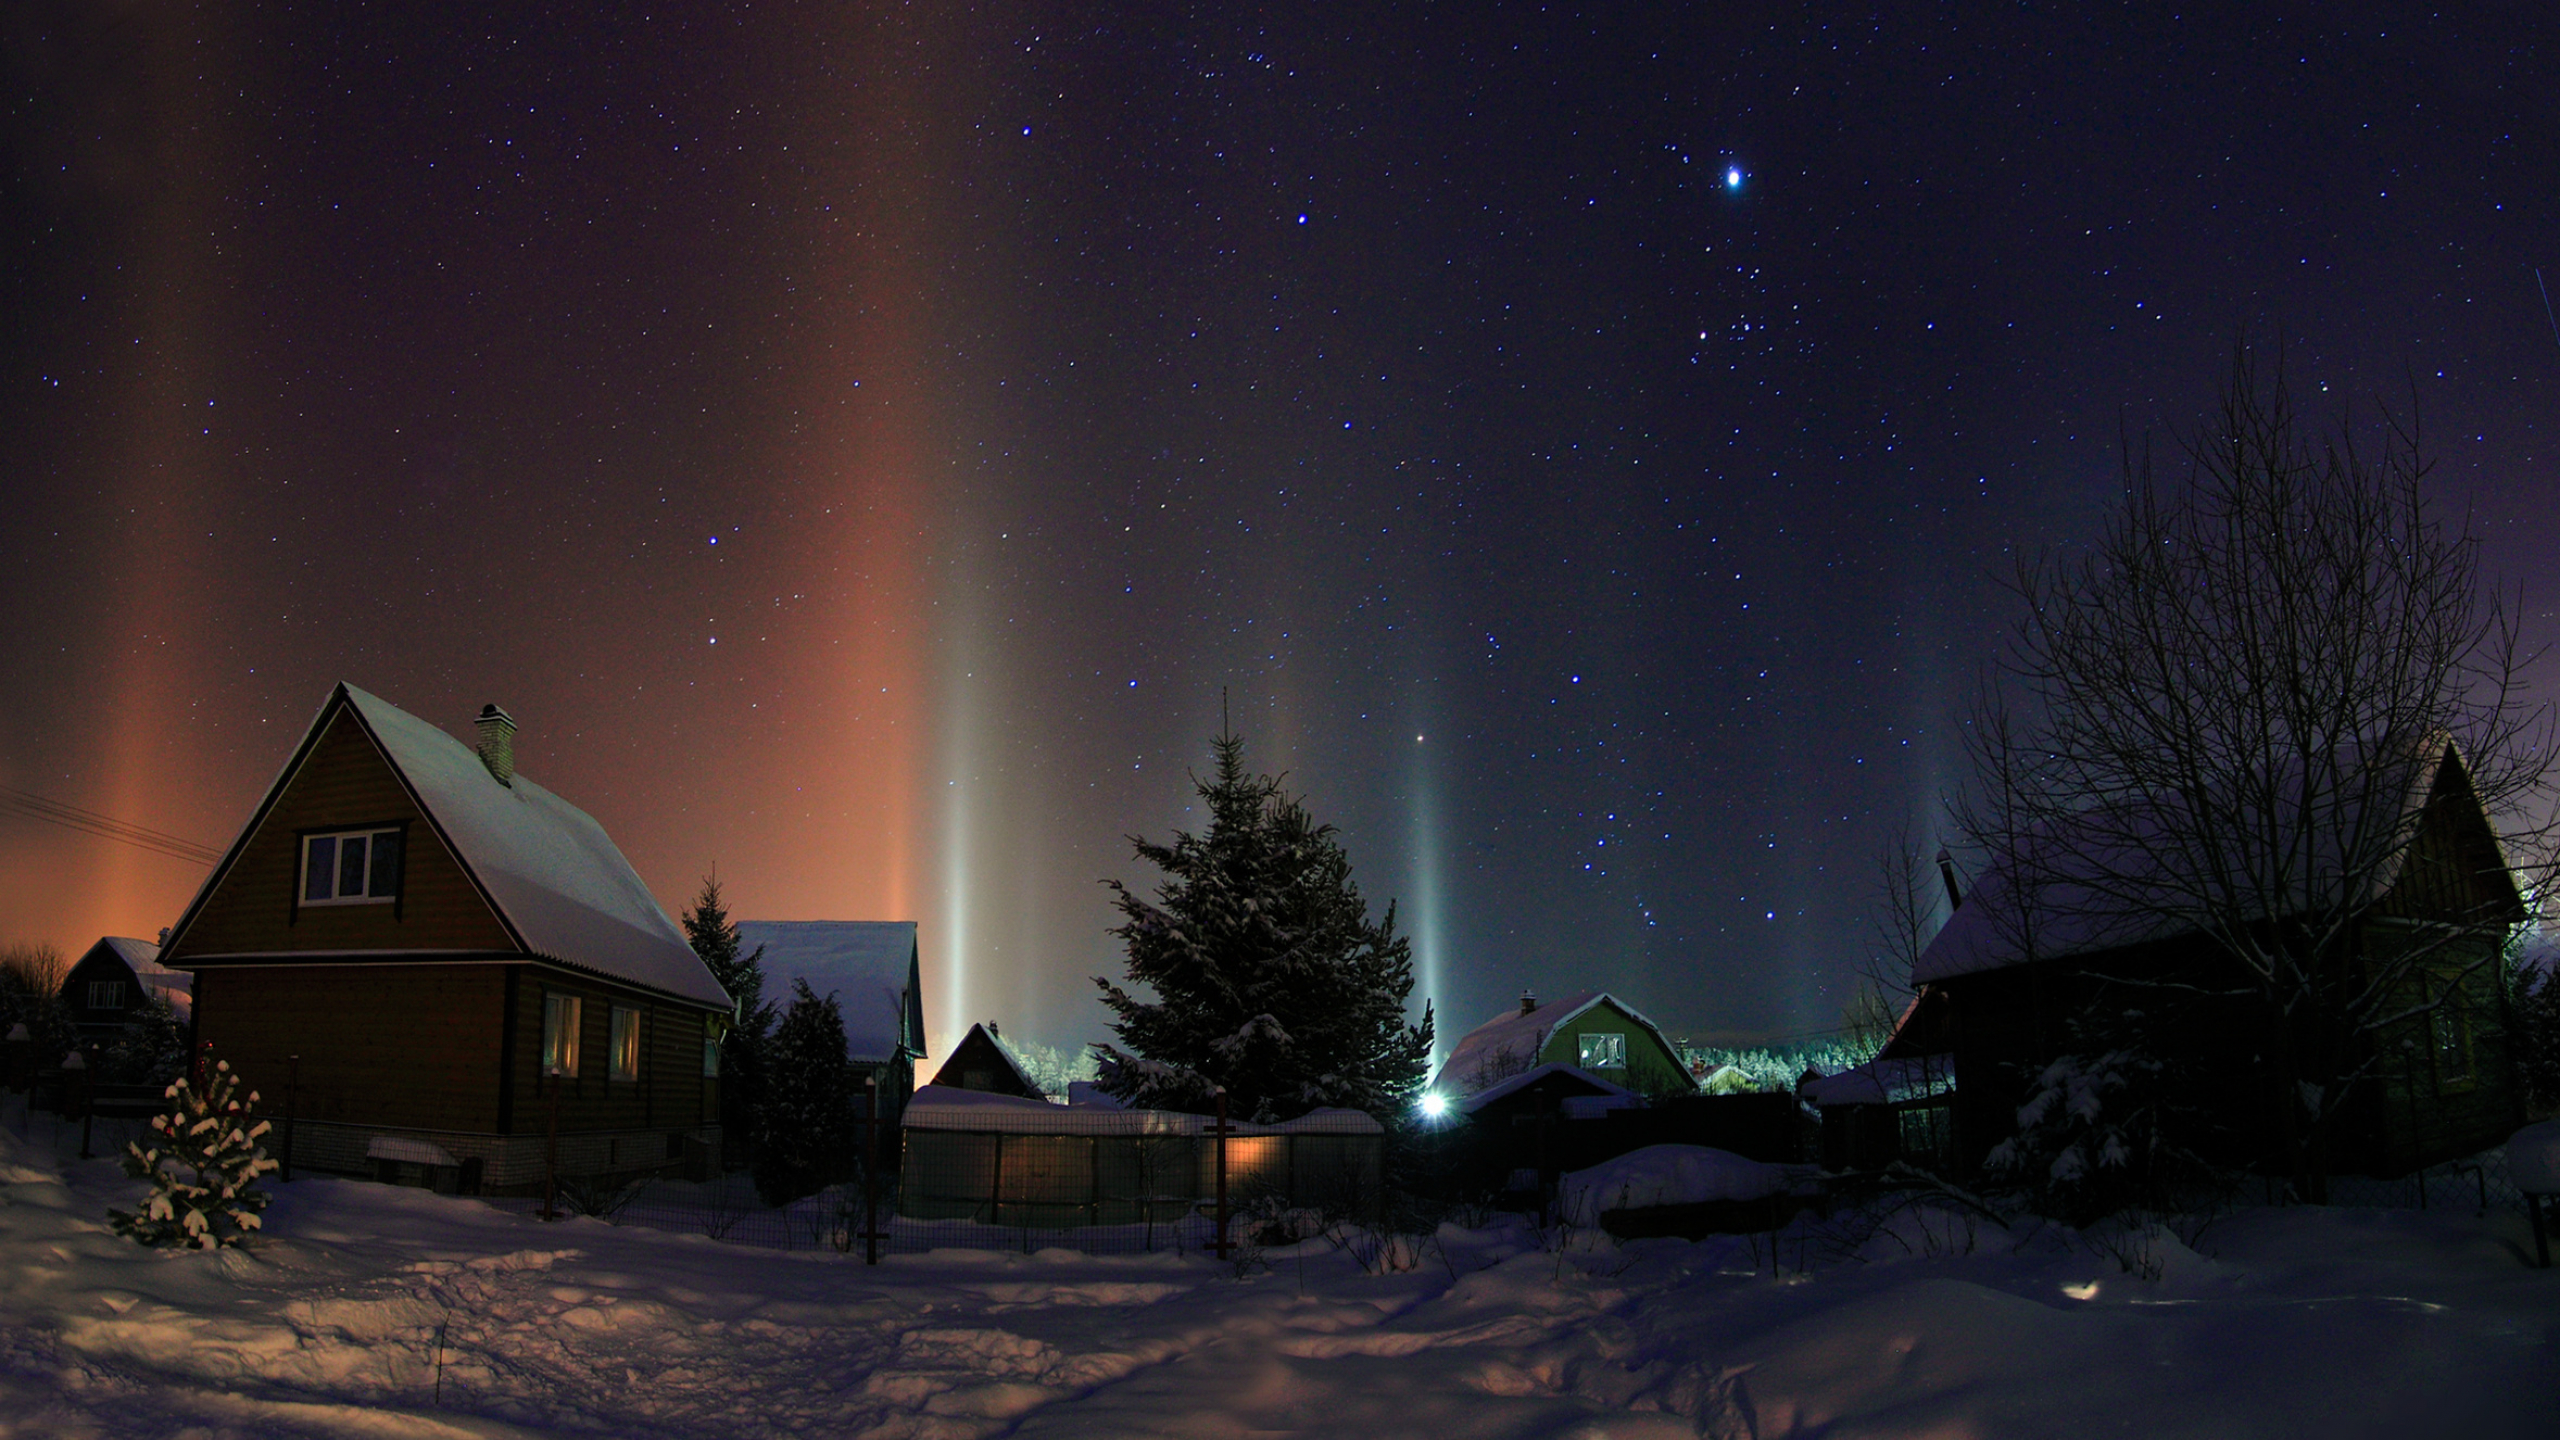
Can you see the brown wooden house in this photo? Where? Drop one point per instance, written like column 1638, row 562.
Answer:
column 983, row 1062
column 444, row 960
column 110, row 983
column 2000, row 985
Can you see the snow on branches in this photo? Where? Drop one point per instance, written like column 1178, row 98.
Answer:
column 203, row 1168
column 1270, row 978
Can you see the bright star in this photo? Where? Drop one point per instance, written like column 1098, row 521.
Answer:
column 1733, row 177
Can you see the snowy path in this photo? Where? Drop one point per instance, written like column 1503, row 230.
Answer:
column 2307, row 1323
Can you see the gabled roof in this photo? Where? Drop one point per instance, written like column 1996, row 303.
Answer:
column 549, row 873
column 1570, row 1074
column 1513, row 1040
column 142, row 957
column 1012, row 1059
column 2105, row 878
column 868, row 965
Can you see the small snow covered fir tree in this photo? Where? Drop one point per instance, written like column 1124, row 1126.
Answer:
column 1270, row 978
column 203, row 1166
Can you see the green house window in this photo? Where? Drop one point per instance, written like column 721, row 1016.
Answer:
column 1604, row 1052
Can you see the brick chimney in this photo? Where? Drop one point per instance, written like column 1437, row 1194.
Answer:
column 1528, row 1003
column 498, row 744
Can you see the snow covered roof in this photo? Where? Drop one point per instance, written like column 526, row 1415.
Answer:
column 1881, row 1082
column 1512, row 1039
column 547, row 869
column 1512, row 1085
column 868, row 965
column 2110, row 877
column 143, row 958
column 995, row 1041
column 944, row 1107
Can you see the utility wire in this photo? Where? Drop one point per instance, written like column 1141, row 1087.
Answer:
column 90, row 822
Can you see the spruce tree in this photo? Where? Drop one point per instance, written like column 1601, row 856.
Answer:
column 203, row 1165
column 805, row 1125
column 742, row 1048
column 1269, row 976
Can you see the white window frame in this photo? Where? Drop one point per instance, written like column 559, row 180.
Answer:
column 562, row 1018
column 1610, row 1041
column 336, row 873
column 623, row 1053
column 106, row 994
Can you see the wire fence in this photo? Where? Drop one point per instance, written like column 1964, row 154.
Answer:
column 1022, row 1195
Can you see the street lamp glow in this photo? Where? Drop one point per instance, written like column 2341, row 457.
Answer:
column 1434, row 1106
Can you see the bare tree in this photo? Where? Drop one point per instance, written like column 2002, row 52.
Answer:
column 2222, row 722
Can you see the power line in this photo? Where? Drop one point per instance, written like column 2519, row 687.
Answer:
column 90, row 822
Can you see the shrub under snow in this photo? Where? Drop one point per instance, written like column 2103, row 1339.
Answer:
column 203, row 1168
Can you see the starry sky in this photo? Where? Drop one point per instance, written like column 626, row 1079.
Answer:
column 862, row 444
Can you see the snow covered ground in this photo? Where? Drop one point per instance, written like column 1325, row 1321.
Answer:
column 374, row 1311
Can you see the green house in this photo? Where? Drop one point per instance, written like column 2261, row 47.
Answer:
column 1591, row 1031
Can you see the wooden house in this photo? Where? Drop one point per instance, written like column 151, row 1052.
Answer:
column 432, row 963
column 1591, row 1031
column 983, row 1062
column 113, row 980
column 2003, row 984
column 872, row 970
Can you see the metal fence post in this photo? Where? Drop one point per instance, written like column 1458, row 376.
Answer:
column 871, row 1171
column 1221, row 1131
column 292, row 1108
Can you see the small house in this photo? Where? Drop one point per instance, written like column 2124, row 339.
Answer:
column 113, row 980
column 2020, row 963
column 427, row 963
column 984, row 1063
column 1592, row 1031
column 872, row 970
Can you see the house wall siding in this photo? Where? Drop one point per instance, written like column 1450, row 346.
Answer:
column 393, row 1045
column 1649, row 1065
column 671, row 1093
column 343, row 781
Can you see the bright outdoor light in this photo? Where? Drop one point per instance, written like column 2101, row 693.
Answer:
column 1434, row 1106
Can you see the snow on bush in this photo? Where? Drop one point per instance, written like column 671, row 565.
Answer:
column 1666, row 1175
column 2533, row 1158
column 203, row 1169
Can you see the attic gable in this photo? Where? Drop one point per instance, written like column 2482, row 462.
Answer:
column 339, row 778
column 542, row 877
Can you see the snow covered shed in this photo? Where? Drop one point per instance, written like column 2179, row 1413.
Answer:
column 1007, row 1160
column 446, row 952
column 1590, row 1030
column 982, row 1061
column 871, row 968
column 113, row 979
column 2073, row 924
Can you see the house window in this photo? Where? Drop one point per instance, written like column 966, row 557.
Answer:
column 626, row 1043
column 2449, row 1037
column 1604, row 1052
column 106, row 994
column 351, row 867
column 560, row 1016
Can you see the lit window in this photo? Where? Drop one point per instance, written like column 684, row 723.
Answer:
column 560, row 1014
column 351, row 867
column 106, row 994
column 1604, row 1052
column 626, row 1043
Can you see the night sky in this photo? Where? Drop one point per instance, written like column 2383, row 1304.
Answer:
column 860, row 445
